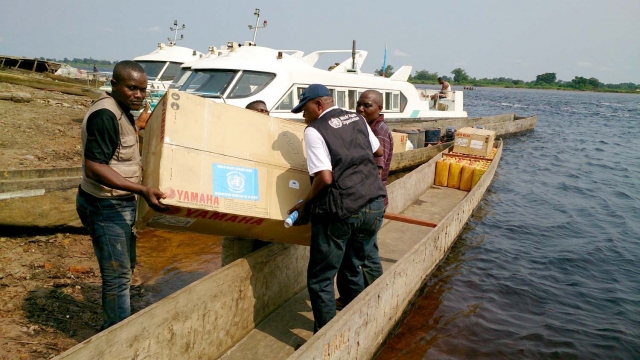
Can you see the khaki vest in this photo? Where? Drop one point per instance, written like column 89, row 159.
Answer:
column 126, row 160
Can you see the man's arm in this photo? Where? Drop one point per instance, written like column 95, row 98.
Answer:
column 321, row 180
column 105, row 175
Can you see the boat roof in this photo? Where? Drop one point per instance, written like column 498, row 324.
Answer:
column 300, row 68
column 172, row 53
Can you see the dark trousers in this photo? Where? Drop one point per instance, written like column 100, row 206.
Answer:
column 340, row 244
column 110, row 225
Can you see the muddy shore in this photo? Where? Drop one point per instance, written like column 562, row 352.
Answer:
column 50, row 296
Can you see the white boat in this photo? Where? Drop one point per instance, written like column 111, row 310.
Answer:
column 163, row 64
column 245, row 73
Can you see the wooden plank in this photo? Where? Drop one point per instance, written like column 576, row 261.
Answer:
column 408, row 220
column 21, row 194
column 413, row 158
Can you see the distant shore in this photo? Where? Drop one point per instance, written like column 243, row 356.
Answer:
column 525, row 86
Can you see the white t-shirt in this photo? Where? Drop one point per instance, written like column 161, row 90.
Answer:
column 318, row 157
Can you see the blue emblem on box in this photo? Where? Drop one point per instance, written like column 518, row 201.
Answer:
column 235, row 182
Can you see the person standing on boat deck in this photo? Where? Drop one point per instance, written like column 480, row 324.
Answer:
column 346, row 200
column 369, row 106
column 444, row 93
column 111, row 175
column 233, row 247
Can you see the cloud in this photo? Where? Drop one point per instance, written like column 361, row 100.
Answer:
column 522, row 62
column 604, row 68
column 109, row 30
column 400, row 53
column 154, row 29
column 458, row 63
column 584, row 64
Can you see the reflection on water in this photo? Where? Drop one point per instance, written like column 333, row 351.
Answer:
column 168, row 261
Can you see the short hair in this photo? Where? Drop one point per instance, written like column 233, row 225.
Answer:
column 250, row 105
column 124, row 67
column 375, row 95
column 440, row 79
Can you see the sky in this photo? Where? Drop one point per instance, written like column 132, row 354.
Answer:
column 489, row 38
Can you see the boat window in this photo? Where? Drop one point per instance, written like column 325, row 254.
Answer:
column 387, row 101
column 250, row 83
column 180, row 79
column 209, row 82
column 286, row 103
column 300, row 90
column 396, row 101
column 352, row 99
column 170, row 72
column 333, row 93
column 340, row 99
column 152, row 68
column 403, row 102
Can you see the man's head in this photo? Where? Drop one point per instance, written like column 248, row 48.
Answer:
column 129, row 84
column 259, row 106
column 370, row 105
column 440, row 81
column 313, row 102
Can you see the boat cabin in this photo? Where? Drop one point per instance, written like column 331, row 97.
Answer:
column 246, row 73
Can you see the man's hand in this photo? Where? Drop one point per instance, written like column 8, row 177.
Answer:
column 142, row 119
column 380, row 172
column 152, row 197
column 300, row 208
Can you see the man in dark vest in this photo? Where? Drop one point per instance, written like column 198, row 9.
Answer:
column 111, row 175
column 346, row 200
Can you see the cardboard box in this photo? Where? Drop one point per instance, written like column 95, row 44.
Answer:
column 471, row 141
column 399, row 142
column 225, row 170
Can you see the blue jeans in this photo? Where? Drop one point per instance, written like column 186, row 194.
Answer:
column 371, row 270
column 340, row 244
column 110, row 225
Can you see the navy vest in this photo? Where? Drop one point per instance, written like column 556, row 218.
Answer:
column 356, row 180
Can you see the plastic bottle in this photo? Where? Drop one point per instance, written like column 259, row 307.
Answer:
column 288, row 222
column 291, row 219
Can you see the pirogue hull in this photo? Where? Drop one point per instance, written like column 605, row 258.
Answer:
column 258, row 308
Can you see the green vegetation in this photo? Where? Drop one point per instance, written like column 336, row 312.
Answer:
column 83, row 62
column 387, row 73
column 542, row 81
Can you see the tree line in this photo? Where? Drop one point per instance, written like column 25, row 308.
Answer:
column 543, row 81
column 82, row 61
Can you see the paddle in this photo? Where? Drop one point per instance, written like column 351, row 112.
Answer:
column 408, row 220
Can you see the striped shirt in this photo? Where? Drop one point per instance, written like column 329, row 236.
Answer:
column 381, row 131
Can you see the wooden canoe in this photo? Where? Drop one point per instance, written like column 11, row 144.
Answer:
column 257, row 307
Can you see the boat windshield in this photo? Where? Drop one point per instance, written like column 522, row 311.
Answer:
column 152, row 68
column 209, row 82
column 250, row 83
column 170, row 72
column 180, row 79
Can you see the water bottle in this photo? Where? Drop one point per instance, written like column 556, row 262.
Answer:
column 291, row 218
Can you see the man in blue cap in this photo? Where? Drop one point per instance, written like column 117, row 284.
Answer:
column 346, row 200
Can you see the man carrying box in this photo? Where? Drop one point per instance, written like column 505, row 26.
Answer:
column 346, row 200
column 111, row 175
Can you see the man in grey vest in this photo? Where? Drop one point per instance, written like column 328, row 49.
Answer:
column 111, row 176
column 346, row 200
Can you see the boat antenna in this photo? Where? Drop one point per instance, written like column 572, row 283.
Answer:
column 256, row 27
column 353, row 56
column 175, row 29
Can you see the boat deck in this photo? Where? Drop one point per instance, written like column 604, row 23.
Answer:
column 291, row 325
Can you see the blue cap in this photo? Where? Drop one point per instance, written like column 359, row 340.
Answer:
column 310, row 93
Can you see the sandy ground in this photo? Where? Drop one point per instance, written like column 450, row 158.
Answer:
column 43, row 133
column 50, row 282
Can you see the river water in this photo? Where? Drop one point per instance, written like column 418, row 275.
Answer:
column 548, row 265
